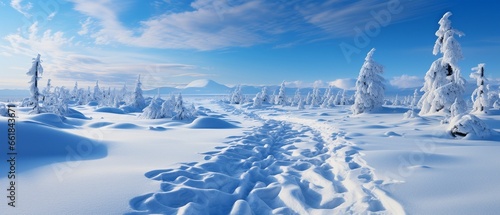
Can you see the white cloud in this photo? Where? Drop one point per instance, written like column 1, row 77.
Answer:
column 406, row 81
column 212, row 24
column 51, row 16
column 85, row 26
column 87, row 65
column 340, row 18
column 345, row 83
column 218, row 24
column 23, row 9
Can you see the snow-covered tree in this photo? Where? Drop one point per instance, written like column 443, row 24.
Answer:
column 396, row 101
column 168, row 107
column 46, row 90
column 61, row 106
column 369, row 86
column 414, row 101
column 257, row 100
column 138, row 101
column 328, row 102
column 458, row 108
column 309, row 99
column 35, row 72
column 316, row 97
column 75, row 91
column 480, row 94
column 338, row 98
column 281, row 98
column 327, row 94
column 300, row 104
column 296, row 98
column 153, row 110
column 265, row 96
column 236, row 96
column 97, row 94
column 181, row 112
column 443, row 82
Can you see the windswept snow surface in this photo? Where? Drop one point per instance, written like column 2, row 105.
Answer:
column 240, row 160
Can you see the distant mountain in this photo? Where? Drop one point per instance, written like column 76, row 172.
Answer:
column 199, row 87
column 205, row 86
column 210, row 87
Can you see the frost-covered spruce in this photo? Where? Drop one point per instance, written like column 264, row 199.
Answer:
column 281, row 97
column 153, row 110
column 257, row 100
column 236, row 96
column 265, row 96
column 369, row 86
column 316, row 98
column 138, row 101
column 338, row 98
column 308, row 99
column 97, row 95
column 300, row 105
column 480, row 94
column 458, row 108
column 181, row 112
column 414, row 101
column 443, row 82
column 296, row 98
column 168, row 107
column 35, row 71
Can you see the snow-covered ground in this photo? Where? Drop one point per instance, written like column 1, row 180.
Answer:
column 237, row 159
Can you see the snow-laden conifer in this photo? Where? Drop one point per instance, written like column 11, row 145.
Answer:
column 369, row 86
column 480, row 94
column 35, row 72
column 443, row 82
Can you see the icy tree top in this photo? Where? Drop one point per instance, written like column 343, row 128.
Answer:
column 369, row 56
column 478, row 74
column 445, row 40
column 36, row 66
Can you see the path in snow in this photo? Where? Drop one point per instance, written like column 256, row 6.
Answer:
column 285, row 166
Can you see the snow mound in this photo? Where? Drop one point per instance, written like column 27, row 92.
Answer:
column 72, row 113
column 211, row 123
column 125, row 126
column 109, row 110
column 57, row 145
column 50, row 119
column 469, row 126
column 99, row 124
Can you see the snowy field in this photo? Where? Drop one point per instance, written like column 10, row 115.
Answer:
column 235, row 159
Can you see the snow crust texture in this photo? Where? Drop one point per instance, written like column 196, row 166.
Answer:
column 281, row 167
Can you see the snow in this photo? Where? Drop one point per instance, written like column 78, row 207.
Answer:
column 236, row 159
column 210, row 123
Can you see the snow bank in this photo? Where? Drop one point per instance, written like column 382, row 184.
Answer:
column 110, row 110
column 469, row 126
column 211, row 123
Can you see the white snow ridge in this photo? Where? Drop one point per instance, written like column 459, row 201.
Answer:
column 284, row 166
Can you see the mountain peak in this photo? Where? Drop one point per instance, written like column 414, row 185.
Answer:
column 201, row 83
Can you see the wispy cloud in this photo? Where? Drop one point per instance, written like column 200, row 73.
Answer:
column 406, row 81
column 345, row 83
column 218, row 24
column 85, row 26
column 340, row 18
column 66, row 63
column 23, row 9
column 212, row 24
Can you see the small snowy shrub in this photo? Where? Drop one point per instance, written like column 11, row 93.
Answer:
column 468, row 126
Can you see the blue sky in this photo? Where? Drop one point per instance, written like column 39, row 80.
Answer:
column 259, row 42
